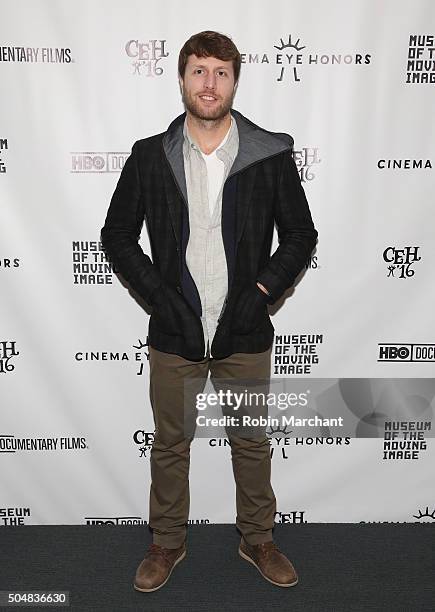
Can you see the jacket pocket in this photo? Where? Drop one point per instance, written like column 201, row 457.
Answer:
column 172, row 315
column 164, row 316
column 250, row 310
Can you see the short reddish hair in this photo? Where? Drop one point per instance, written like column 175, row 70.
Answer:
column 210, row 44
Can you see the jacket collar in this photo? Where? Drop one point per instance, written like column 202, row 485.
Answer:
column 255, row 145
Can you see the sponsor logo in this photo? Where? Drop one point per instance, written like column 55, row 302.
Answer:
column 14, row 516
column 420, row 65
column 146, row 56
column 406, row 352
column 97, row 162
column 3, row 147
column 405, row 439
column 7, row 352
column 115, row 520
column 35, row 55
column 305, row 159
column 292, row 57
column 404, row 164
column 280, row 444
column 132, row 520
column 422, row 517
column 91, row 266
column 7, row 262
column 139, row 357
column 293, row 517
column 280, row 441
column 400, row 261
column 12, row 444
column 144, row 441
column 296, row 353
column 425, row 516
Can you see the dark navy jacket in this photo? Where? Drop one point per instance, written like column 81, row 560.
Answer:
column 262, row 190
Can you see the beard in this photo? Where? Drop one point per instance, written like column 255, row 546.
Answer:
column 193, row 105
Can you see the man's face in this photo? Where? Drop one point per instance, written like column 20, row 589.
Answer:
column 208, row 87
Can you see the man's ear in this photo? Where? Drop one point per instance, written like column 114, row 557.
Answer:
column 180, row 83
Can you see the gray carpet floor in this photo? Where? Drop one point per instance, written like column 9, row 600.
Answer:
column 341, row 567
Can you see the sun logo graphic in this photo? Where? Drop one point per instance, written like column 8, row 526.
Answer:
column 426, row 516
column 293, row 59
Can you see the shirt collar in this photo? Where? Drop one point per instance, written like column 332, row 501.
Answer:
column 228, row 146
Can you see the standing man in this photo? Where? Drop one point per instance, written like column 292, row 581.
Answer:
column 211, row 189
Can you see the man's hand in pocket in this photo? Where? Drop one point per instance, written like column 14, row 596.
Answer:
column 249, row 310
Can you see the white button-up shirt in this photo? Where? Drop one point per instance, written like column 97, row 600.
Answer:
column 205, row 254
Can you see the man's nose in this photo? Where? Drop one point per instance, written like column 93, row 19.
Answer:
column 210, row 80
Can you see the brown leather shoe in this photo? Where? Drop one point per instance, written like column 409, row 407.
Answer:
column 270, row 562
column 156, row 567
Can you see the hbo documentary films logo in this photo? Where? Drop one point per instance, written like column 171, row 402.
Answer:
column 407, row 352
column 114, row 520
column 35, row 55
column 97, row 162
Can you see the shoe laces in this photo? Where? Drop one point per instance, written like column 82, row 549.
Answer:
column 266, row 548
column 156, row 550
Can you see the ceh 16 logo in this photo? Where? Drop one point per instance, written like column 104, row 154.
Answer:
column 401, row 260
column 7, row 351
column 146, row 56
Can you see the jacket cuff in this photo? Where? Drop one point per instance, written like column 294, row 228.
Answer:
column 266, row 296
column 274, row 284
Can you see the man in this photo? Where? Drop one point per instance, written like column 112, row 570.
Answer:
column 211, row 189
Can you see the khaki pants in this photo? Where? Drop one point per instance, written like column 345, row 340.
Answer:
column 170, row 454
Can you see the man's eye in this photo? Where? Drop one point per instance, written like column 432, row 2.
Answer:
column 198, row 70
column 222, row 73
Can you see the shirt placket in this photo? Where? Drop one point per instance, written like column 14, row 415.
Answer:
column 207, row 256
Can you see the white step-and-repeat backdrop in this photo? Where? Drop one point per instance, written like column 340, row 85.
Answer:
column 354, row 84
